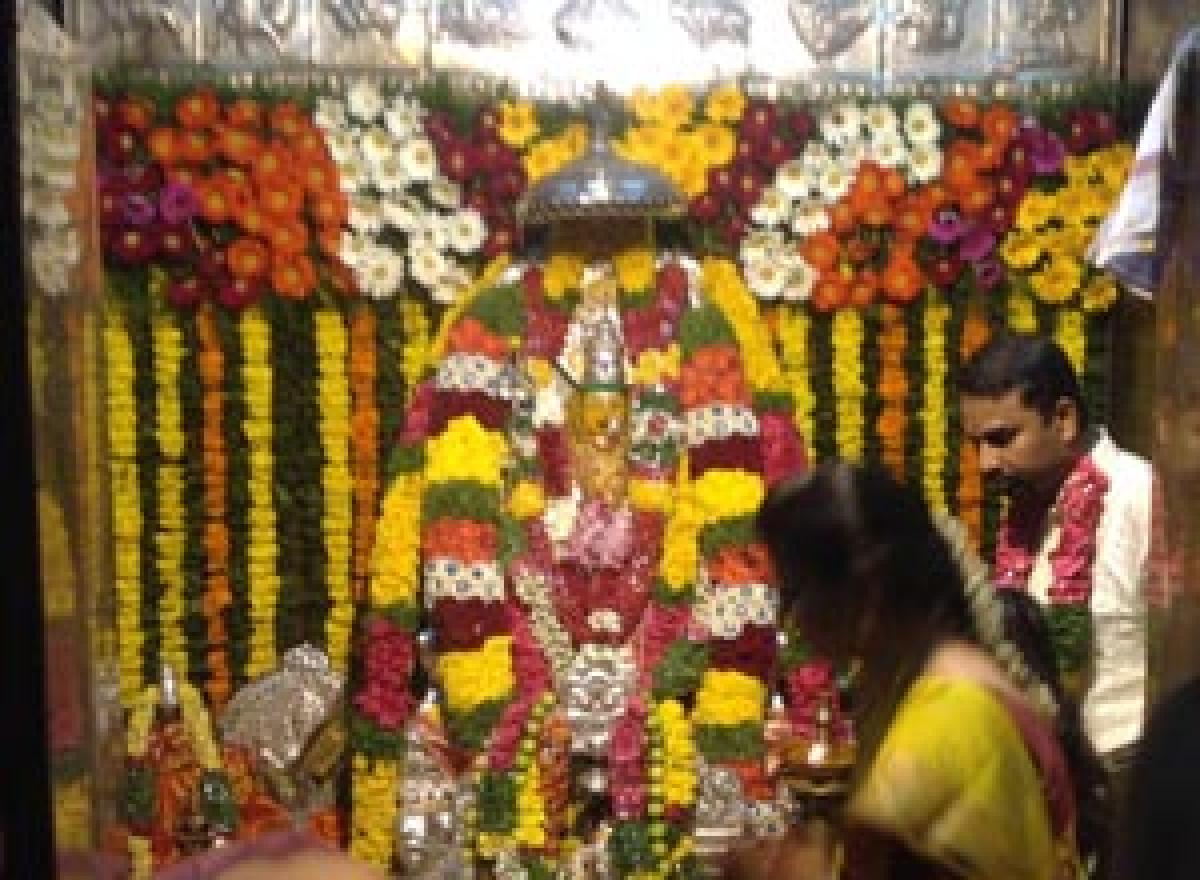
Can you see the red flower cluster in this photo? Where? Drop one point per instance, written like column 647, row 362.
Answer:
column 545, row 325
column 385, row 698
column 767, row 137
column 489, row 172
column 752, row 652
column 654, row 325
column 782, row 454
column 465, row 624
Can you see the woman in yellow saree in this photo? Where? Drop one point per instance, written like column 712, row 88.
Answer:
column 960, row 769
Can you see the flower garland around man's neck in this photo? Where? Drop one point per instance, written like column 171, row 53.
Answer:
column 1075, row 517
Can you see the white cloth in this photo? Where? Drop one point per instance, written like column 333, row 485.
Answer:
column 1127, row 244
column 1115, row 704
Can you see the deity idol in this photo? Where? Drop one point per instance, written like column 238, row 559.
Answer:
column 577, row 485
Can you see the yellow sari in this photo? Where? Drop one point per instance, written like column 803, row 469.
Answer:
column 954, row 781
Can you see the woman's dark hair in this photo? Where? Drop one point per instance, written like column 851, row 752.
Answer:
column 1033, row 365
column 848, row 542
column 1026, row 627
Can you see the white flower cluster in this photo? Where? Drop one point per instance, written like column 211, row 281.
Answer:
column 796, row 203
column 52, row 115
column 406, row 218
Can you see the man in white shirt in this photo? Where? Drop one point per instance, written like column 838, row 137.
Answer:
column 1077, row 530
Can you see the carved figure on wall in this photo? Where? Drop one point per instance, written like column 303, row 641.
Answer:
column 1049, row 22
column 354, row 18
column 927, row 26
column 579, row 22
column 710, row 21
column 149, row 30
column 480, row 22
column 827, row 28
column 252, row 27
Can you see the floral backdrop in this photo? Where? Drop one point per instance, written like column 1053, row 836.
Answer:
column 284, row 270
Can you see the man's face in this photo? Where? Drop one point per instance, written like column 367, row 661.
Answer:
column 1020, row 450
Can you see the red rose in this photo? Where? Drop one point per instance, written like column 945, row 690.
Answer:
column 439, row 128
column 1080, row 134
column 238, row 293
column 134, row 246
column 502, row 238
column 705, row 207
column 758, row 122
column 801, row 124
column 457, row 160
column 187, row 292
column 720, row 180
column 774, row 151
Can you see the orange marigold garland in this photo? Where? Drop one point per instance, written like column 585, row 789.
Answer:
column 892, row 424
column 218, row 595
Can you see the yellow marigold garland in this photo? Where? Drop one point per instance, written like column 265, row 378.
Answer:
column 333, row 405
column 126, row 502
column 263, row 549
column 1070, row 332
column 375, row 789
column 474, row 677
column 723, row 285
column 679, row 754
column 728, row 697
column 396, row 557
column 364, row 444
column 170, row 538
column 848, row 386
column 933, row 405
column 792, row 328
column 466, row 451
column 416, row 353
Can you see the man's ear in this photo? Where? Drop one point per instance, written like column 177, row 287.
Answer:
column 1066, row 420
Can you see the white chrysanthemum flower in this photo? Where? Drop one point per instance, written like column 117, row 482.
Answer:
column 430, row 231
column 924, row 163
column 377, row 146
column 353, row 175
column 426, row 265
column 842, row 123
column 809, row 217
column 403, row 117
column 766, row 278
column 467, row 231
column 420, row 159
column 855, row 152
column 48, row 209
column 835, row 181
column 772, row 209
column 760, row 245
column 364, row 100
column 445, row 193
column 793, row 180
column 881, row 119
column 816, row 156
column 548, row 408
column 365, row 213
column 343, row 144
column 921, row 125
column 404, row 212
column 390, row 175
column 383, row 273
column 889, row 150
column 451, row 285
column 800, row 282
column 329, row 114
column 355, row 250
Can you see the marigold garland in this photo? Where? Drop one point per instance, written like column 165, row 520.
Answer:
column 333, row 403
column 1070, row 332
column 375, row 791
column 724, row 287
column 126, row 502
column 364, row 445
column 263, row 550
column 933, row 403
column 792, row 330
column 416, row 353
column 848, row 386
column 170, row 533
column 892, row 423
column 218, row 596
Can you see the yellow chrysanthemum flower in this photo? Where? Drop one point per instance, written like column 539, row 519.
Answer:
column 1099, row 294
column 1035, row 210
column 713, row 144
column 561, row 274
column 466, row 451
column 1021, row 250
column 518, row 123
column 643, row 103
column 728, row 697
column 473, row 677
column 635, row 269
column 725, row 104
column 526, row 500
column 721, row 494
column 674, row 105
column 1058, row 281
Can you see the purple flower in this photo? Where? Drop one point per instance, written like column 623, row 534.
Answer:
column 989, row 272
column 177, row 203
column 1046, row 150
column 947, row 227
column 137, row 209
column 977, row 243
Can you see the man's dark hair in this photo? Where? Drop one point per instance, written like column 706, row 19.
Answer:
column 1033, row 365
